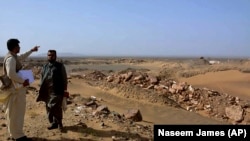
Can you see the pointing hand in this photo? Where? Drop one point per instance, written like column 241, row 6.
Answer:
column 35, row 48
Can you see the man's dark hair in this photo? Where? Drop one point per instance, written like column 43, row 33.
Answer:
column 52, row 51
column 12, row 43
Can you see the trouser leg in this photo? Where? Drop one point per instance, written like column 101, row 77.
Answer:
column 15, row 114
column 49, row 114
column 58, row 115
column 54, row 110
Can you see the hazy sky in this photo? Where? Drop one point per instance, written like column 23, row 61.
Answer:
column 129, row 27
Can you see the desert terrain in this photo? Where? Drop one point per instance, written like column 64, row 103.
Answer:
column 114, row 98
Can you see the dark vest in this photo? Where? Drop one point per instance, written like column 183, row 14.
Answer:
column 57, row 80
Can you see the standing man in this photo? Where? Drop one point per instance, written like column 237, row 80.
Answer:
column 15, row 105
column 53, row 88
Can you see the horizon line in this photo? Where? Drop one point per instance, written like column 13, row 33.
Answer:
column 68, row 55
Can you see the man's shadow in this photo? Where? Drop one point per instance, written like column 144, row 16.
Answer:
column 62, row 139
column 102, row 133
column 94, row 132
column 86, row 131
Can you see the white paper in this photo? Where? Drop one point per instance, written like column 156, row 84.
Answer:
column 26, row 74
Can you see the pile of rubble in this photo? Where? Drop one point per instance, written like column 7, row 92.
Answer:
column 216, row 105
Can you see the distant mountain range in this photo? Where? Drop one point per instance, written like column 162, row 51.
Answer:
column 64, row 54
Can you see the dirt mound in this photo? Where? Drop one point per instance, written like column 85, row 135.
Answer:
column 132, row 84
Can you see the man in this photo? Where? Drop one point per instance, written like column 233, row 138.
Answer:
column 53, row 88
column 15, row 105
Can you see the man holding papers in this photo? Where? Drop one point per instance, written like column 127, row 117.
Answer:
column 15, row 104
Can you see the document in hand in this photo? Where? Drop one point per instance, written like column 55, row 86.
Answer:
column 26, row 74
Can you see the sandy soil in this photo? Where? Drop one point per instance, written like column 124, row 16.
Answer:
column 232, row 82
column 84, row 126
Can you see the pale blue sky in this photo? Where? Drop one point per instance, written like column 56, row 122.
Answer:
column 129, row 27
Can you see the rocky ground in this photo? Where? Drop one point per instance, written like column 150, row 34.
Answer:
column 140, row 85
